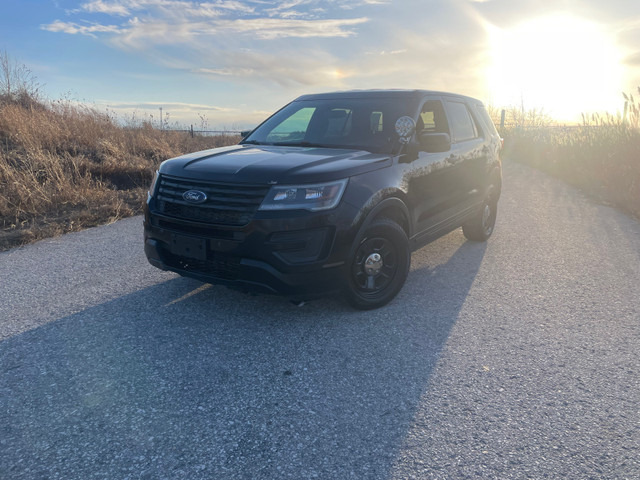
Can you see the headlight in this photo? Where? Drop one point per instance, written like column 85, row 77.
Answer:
column 152, row 188
column 316, row 197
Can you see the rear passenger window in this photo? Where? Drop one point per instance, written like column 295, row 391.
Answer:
column 462, row 125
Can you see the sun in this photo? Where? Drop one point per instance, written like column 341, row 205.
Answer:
column 561, row 64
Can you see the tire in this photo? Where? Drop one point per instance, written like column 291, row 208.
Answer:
column 481, row 226
column 379, row 265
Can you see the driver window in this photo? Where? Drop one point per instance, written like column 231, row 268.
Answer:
column 432, row 118
column 338, row 123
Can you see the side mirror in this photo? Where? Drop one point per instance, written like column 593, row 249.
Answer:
column 435, row 142
column 244, row 134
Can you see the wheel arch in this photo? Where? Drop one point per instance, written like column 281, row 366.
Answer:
column 495, row 177
column 392, row 208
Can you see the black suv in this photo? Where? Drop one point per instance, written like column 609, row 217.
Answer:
column 332, row 193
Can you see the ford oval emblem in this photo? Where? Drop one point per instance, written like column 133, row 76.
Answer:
column 194, row 196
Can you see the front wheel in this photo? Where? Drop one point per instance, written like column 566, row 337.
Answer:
column 480, row 227
column 379, row 265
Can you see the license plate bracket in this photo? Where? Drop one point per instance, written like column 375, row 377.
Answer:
column 190, row 247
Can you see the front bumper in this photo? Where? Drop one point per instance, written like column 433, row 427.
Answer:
column 301, row 255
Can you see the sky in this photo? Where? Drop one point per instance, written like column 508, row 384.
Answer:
column 228, row 64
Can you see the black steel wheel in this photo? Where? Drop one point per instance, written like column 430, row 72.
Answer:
column 379, row 265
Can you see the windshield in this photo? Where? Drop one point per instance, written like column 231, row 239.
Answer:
column 354, row 123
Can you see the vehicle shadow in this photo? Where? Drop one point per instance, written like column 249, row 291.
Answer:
column 188, row 380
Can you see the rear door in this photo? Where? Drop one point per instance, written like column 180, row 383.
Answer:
column 468, row 153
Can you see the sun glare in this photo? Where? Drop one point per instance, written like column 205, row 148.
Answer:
column 338, row 74
column 561, row 64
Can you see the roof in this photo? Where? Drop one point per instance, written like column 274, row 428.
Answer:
column 389, row 93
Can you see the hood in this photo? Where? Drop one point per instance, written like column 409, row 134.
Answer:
column 274, row 164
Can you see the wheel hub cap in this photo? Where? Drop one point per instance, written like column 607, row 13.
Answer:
column 373, row 264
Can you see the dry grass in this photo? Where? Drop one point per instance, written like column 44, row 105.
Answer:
column 601, row 156
column 65, row 167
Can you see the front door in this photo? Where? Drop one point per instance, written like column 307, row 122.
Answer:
column 433, row 189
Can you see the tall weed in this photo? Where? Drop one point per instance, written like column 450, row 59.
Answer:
column 65, row 166
column 601, row 155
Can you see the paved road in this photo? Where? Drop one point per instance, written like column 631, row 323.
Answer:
column 515, row 359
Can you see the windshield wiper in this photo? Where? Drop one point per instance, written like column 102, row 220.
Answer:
column 252, row 142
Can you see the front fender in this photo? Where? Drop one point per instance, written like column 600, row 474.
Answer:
column 380, row 205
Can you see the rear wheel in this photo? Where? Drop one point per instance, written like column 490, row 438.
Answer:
column 379, row 266
column 480, row 227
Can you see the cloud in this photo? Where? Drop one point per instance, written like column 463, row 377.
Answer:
column 181, row 114
column 100, row 6
column 301, row 45
column 385, row 52
column 178, row 20
column 226, row 72
column 271, row 28
column 363, row 3
column 286, row 9
column 126, row 8
column 288, row 68
column 168, row 105
column 74, row 28
column 225, row 39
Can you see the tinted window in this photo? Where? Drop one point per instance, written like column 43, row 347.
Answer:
column 376, row 122
column 292, row 128
column 432, row 118
column 339, row 123
column 462, row 125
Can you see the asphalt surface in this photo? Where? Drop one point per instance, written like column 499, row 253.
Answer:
column 517, row 358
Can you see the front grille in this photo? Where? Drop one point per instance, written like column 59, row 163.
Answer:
column 226, row 204
column 220, row 266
